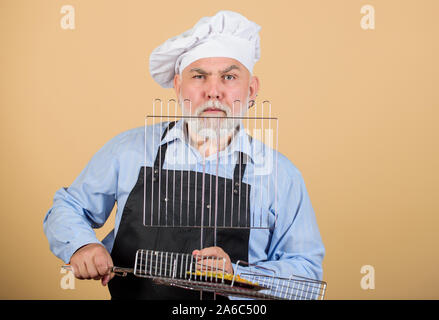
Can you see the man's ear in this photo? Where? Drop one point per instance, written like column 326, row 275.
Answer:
column 253, row 88
column 177, row 84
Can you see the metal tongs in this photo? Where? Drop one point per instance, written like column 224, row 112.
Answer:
column 118, row 271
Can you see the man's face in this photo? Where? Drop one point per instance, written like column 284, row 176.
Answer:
column 220, row 81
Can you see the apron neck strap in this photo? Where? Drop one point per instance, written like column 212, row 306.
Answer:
column 161, row 153
column 238, row 173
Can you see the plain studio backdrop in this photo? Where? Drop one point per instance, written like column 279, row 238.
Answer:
column 358, row 112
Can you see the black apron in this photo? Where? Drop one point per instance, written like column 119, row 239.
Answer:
column 182, row 212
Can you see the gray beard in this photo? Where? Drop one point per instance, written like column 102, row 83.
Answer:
column 211, row 127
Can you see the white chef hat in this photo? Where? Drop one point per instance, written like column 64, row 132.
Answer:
column 226, row 34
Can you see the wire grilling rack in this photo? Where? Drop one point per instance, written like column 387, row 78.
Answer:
column 178, row 203
column 206, row 273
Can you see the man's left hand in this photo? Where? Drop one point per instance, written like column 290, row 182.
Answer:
column 216, row 252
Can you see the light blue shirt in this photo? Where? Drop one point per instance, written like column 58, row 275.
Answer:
column 278, row 196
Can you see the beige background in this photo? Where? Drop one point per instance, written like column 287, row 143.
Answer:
column 358, row 114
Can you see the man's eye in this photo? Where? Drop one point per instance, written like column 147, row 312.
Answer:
column 229, row 77
column 198, row 76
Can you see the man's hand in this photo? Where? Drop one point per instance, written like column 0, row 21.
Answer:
column 92, row 261
column 216, row 252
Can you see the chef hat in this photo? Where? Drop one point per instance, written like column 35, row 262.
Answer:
column 226, row 34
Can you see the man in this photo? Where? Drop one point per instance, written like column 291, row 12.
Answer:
column 210, row 68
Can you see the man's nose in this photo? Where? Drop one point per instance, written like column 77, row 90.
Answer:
column 214, row 89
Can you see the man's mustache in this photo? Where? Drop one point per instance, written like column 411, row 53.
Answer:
column 213, row 104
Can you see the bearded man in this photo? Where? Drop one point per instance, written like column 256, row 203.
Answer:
column 210, row 68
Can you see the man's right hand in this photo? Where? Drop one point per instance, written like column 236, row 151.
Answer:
column 92, row 261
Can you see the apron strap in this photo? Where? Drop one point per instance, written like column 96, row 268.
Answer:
column 161, row 153
column 238, row 174
column 169, row 127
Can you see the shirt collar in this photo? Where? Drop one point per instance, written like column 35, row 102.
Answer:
column 240, row 143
